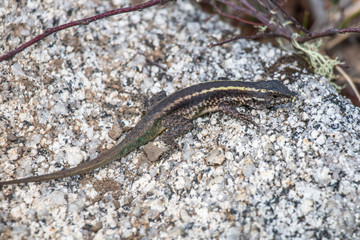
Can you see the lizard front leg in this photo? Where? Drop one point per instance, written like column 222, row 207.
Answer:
column 231, row 111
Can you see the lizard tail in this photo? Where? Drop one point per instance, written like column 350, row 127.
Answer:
column 108, row 156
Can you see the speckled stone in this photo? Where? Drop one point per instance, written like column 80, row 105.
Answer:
column 295, row 176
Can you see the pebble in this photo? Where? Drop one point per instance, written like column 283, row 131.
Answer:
column 215, row 157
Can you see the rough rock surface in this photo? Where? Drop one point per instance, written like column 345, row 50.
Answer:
column 296, row 176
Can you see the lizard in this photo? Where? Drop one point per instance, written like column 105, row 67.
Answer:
column 173, row 115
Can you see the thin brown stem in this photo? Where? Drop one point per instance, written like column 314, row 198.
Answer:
column 252, row 37
column 233, row 17
column 237, row 8
column 327, row 33
column 349, row 81
column 293, row 20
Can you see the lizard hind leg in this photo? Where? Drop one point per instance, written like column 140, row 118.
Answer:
column 177, row 126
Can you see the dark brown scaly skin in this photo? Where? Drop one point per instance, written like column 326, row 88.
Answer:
column 174, row 114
